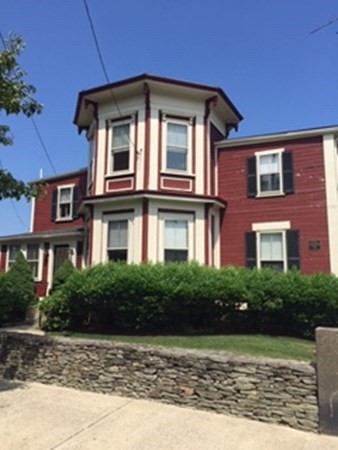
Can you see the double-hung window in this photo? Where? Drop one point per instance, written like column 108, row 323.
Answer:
column 65, row 202
column 177, row 147
column 176, row 236
column 272, row 244
column 32, row 256
column 13, row 251
column 176, row 241
column 120, row 147
column 270, row 173
column 117, row 246
column 269, row 170
column 272, row 250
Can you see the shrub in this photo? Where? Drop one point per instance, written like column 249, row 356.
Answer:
column 16, row 291
column 189, row 298
column 61, row 275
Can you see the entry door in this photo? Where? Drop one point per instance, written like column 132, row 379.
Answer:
column 61, row 254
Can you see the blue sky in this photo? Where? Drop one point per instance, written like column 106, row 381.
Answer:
column 260, row 52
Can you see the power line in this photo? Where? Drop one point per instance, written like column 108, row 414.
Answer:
column 43, row 146
column 100, row 54
column 324, row 26
column 13, row 205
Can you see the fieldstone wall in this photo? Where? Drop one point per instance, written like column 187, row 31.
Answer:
column 273, row 391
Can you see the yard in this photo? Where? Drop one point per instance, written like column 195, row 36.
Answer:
column 254, row 345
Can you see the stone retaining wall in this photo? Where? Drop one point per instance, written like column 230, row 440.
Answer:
column 273, row 391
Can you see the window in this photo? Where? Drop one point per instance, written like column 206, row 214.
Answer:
column 32, row 254
column 117, row 247
column 271, row 250
column 33, row 258
column 270, row 173
column 175, row 240
column 65, row 203
column 120, row 148
column 176, row 236
column 177, row 147
column 91, row 155
column 12, row 254
column 269, row 167
column 278, row 249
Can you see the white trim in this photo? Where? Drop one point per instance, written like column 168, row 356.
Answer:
column 112, row 125
column 189, row 218
column 31, row 225
column 330, row 154
column 284, row 136
column 271, row 226
column 163, row 178
column 23, row 249
column 258, row 155
column 258, row 246
column 189, row 125
column 111, row 178
column 59, row 189
column 116, row 217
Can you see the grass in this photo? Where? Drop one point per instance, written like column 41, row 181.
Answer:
column 255, row 345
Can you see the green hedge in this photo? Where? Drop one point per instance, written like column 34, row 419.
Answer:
column 16, row 291
column 189, row 298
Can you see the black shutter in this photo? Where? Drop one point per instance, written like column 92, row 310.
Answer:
column 250, row 250
column 251, row 177
column 54, row 204
column 288, row 173
column 76, row 201
column 292, row 245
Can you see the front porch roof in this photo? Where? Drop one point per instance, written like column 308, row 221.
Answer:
column 41, row 235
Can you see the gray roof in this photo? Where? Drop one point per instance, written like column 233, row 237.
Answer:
column 50, row 235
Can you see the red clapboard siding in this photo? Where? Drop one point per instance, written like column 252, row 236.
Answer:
column 43, row 206
column 306, row 208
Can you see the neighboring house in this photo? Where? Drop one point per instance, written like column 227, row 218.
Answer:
column 165, row 184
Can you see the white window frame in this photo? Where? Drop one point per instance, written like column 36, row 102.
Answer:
column 188, row 123
column 190, row 219
column 113, row 124
column 58, row 203
column 258, row 155
column 271, row 228
column 118, row 217
column 23, row 249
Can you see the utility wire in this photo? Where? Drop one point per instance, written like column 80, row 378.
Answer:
column 34, row 123
column 324, row 26
column 13, row 205
column 43, row 145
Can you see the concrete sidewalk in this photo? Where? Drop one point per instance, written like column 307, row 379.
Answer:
column 35, row 416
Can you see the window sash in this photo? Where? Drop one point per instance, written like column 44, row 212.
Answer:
column 269, row 171
column 272, row 250
column 177, row 147
column 120, row 147
column 65, row 202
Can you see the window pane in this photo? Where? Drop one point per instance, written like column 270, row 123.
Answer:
column 118, row 234
column 117, row 255
column 177, row 135
column 271, row 247
column 176, row 234
column 120, row 160
column 277, row 265
column 270, row 182
column 34, row 268
column 32, row 252
column 13, row 251
column 65, row 195
column 269, row 164
column 121, row 136
column 65, row 210
column 175, row 255
column 176, row 159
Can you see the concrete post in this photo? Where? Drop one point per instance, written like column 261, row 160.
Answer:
column 327, row 379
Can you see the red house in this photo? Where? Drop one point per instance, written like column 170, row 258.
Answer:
column 164, row 183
